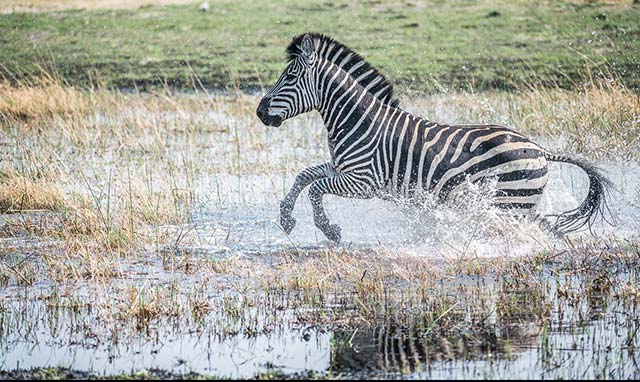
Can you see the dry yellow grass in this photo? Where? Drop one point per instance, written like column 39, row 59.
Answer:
column 601, row 119
column 11, row 6
column 20, row 193
column 45, row 99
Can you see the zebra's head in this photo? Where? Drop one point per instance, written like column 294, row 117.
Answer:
column 295, row 92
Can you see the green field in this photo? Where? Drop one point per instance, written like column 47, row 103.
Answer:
column 424, row 46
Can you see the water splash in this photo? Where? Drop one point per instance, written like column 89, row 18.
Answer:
column 240, row 222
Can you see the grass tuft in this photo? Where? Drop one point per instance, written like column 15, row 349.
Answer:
column 22, row 193
column 43, row 97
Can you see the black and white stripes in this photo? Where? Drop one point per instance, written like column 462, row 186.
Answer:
column 380, row 150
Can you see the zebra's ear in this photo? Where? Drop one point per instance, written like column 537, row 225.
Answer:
column 307, row 47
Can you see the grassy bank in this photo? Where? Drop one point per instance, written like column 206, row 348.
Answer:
column 425, row 46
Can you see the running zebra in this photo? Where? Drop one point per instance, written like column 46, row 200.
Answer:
column 379, row 150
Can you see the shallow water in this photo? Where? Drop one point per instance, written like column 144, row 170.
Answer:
column 250, row 224
column 591, row 338
column 236, row 357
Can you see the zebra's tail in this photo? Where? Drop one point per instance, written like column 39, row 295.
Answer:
column 595, row 204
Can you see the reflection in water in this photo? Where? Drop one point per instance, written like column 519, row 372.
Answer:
column 396, row 348
column 555, row 327
column 33, row 334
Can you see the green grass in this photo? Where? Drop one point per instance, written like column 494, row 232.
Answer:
column 419, row 45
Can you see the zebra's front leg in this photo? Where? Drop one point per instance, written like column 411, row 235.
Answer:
column 345, row 185
column 303, row 179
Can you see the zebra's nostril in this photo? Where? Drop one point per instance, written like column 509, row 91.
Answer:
column 262, row 108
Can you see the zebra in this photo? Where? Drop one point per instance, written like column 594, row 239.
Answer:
column 380, row 150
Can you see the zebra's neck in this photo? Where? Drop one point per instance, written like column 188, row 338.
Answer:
column 346, row 107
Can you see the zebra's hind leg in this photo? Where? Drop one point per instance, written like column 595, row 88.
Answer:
column 303, row 179
column 520, row 197
column 347, row 185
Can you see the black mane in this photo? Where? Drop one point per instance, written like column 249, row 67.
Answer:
column 341, row 55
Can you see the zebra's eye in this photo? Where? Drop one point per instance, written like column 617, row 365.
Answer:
column 290, row 77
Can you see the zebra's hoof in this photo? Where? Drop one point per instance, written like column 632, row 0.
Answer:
column 287, row 223
column 332, row 232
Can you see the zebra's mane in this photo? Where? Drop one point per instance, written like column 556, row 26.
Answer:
column 351, row 62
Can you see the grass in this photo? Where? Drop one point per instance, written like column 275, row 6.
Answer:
column 20, row 193
column 168, row 153
column 47, row 5
column 425, row 47
column 44, row 98
column 61, row 373
column 598, row 119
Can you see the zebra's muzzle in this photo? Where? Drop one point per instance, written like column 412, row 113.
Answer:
column 265, row 117
column 271, row 120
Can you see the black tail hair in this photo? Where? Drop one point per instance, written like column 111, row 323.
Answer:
column 595, row 204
